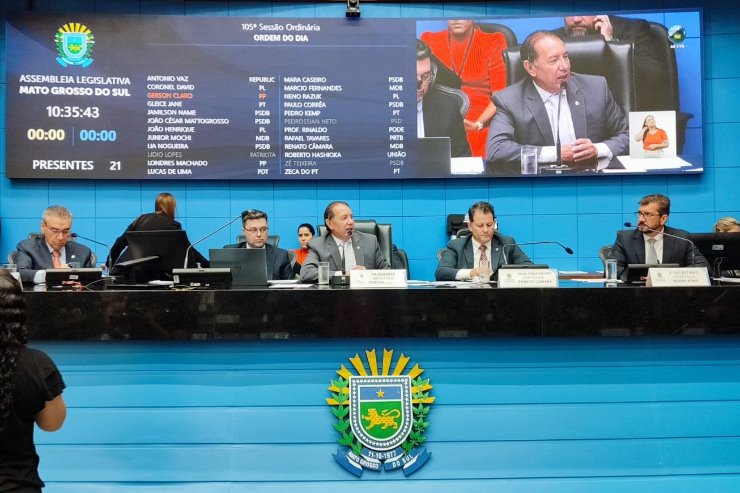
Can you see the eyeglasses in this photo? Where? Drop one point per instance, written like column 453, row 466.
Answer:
column 646, row 215
column 255, row 230
column 424, row 79
column 57, row 232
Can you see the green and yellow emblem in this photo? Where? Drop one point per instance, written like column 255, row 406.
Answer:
column 74, row 43
column 381, row 414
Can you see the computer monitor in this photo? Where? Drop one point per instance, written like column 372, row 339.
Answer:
column 722, row 250
column 154, row 254
column 80, row 278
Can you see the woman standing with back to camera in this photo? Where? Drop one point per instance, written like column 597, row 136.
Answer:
column 30, row 392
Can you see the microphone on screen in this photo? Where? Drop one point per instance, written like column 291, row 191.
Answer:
column 693, row 247
column 187, row 252
column 107, row 258
column 568, row 250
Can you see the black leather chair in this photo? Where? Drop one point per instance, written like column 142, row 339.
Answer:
column 492, row 27
column 591, row 55
column 385, row 240
column 666, row 96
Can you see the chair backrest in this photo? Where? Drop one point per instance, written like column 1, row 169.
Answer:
column 492, row 27
column 12, row 257
column 605, row 252
column 665, row 96
column 440, row 252
column 591, row 55
column 382, row 231
column 273, row 240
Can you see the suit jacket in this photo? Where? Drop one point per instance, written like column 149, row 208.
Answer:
column 325, row 249
column 629, row 248
column 278, row 261
column 459, row 255
column 650, row 64
column 521, row 119
column 33, row 255
column 442, row 118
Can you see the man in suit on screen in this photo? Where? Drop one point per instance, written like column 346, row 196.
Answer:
column 344, row 248
column 591, row 125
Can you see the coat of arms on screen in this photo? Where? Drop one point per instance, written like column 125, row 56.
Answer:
column 381, row 414
column 74, row 44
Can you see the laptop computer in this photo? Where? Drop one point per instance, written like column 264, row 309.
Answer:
column 248, row 265
column 433, row 158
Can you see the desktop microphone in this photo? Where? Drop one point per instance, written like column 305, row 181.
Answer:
column 187, row 252
column 557, row 124
column 108, row 260
column 693, row 247
column 568, row 250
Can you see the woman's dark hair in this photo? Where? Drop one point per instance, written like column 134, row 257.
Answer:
column 166, row 204
column 308, row 227
column 12, row 336
column 645, row 126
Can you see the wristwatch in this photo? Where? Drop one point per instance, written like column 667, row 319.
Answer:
column 479, row 126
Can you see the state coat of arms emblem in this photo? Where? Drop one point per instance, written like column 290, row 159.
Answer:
column 381, row 414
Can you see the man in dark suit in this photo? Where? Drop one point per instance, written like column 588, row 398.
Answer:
column 254, row 226
column 462, row 259
column 591, row 124
column 53, row 249
column 649, row 245
column 344, row 248
column 440, row 111
column 650, row 66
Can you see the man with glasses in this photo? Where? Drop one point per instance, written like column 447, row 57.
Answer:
column 254, row 227
column 437, row 112
column 653, row 242
column 52, row 250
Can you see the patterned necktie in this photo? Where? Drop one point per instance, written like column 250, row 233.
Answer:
column 651, row 256
column 55, row 259
column 483, row 258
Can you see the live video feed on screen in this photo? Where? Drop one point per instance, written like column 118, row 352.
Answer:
column 145, row 97
column 631, row 86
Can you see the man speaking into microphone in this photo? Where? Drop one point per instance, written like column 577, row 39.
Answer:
column 344, row 248
column 462, row 259
column 552, row 104
column 653, row 242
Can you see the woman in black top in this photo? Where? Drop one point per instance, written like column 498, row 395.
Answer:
column 30, row 391
column 162, row 219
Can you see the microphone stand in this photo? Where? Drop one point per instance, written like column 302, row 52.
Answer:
column 568, row 250
column 187, row 252
column 108, row 260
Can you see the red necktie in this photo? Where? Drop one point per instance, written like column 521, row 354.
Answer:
column 55, row 259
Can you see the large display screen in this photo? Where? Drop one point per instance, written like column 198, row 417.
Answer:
column 170, row 97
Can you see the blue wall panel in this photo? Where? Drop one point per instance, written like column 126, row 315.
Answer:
column 540, row 415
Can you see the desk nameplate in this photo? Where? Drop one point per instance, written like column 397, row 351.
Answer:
column 678, row 277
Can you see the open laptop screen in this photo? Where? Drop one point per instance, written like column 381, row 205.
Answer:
column 248, row 265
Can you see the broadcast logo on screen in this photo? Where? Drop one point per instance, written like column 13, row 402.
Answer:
column 677, row 35
column 74, row 45
column 381, row 414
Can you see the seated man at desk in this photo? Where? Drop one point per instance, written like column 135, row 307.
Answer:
column 254, row 226
column 653, row 242
column 552, row 106
column 462, row 259
column 343, row 247
column 52, row 250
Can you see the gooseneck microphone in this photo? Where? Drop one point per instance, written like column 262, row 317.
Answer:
column 108, row 260
column 693, row 247
column 557, row 124
column 568, row 250
column 187, row 252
